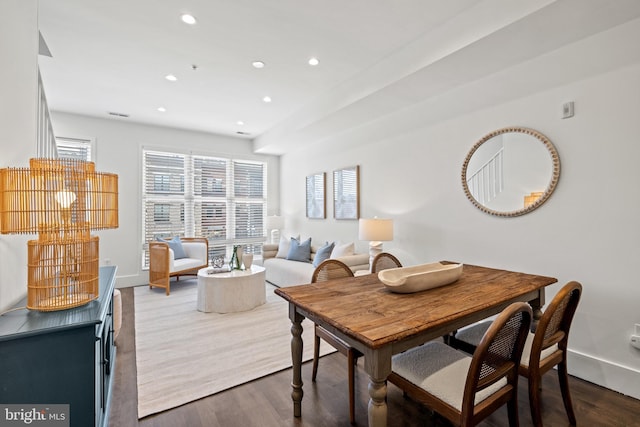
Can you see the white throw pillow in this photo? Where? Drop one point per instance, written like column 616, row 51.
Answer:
column 343, row 249
column 284, row 245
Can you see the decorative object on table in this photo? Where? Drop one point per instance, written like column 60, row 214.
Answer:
column 508, row 165
column 418, row 278
column 217, row 262
column 247, row 260
column 316, row 196
column 236, row 258
column 376, row 230
column 346, row 197
column 274, row 224
column 62, row 200
column 216, row 270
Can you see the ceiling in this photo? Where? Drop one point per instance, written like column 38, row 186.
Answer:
column 376, row 58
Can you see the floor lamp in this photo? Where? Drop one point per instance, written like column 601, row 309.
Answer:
column 275, row 224
column 61, row 200
column 376, row 230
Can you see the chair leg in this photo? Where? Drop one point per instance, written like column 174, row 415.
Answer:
column 534, row 399
column 512, row 410
column 316, row 354
column 563, row 377
column 351, row 360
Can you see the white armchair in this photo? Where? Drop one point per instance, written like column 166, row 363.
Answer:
column 163, row 263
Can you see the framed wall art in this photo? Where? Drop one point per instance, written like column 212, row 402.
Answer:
column 316, row 196
column 346, row 194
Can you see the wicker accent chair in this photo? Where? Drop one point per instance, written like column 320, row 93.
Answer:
column 163, row 265
column 466, row 389
column 544, row 349
column 384, row 261
column 328, row 270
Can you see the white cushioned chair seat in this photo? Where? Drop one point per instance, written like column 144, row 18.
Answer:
column 474, row 333
column 440, row 370
column 196, row 257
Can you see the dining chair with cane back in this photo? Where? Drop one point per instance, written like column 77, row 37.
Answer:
column 384, row 261
column 465, row 389
column 328, row 270
column 544, row 349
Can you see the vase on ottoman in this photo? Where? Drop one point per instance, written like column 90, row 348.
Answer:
column 247, row 260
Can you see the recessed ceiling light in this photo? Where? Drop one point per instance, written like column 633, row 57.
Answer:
column 313, row 61
column 171, row 77
column 188, row 19
column 267, row 99
column 257, row 64
column 162, row 109
column 240, row 123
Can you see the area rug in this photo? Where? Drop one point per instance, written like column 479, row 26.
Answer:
column 183, row 355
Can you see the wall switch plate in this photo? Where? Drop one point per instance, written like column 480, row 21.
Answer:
column 635, row 341
column 567, row 110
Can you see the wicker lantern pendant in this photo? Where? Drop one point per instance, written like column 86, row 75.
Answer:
column 62, row 200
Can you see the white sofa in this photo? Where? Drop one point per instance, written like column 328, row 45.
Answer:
column 282, row 272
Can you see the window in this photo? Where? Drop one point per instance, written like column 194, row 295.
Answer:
column 221, row 199
column 74, row 148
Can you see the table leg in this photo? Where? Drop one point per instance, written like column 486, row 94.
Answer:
column 378, row 366
column 536, row 307
column 296, row 358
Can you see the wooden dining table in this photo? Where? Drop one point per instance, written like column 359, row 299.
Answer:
column 379, row 323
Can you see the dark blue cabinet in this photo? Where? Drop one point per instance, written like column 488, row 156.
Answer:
column 62, row 357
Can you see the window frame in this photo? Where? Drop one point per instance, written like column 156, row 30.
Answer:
column 243, row 200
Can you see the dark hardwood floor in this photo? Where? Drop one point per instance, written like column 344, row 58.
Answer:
column 266, row 402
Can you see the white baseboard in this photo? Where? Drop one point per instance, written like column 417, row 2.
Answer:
column 622, row 379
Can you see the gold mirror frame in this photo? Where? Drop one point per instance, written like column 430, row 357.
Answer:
column 550, row 187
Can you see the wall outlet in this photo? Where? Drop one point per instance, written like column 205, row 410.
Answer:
column 107, row 261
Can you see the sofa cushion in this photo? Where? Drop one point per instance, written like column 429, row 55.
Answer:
column 175, row 245
column 284, row 245
column 283, row 272
column 323, row 253
column 299, row 251
column 342, row 249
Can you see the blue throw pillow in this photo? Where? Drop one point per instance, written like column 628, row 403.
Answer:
column 324, row 252
column 299, row 251
column 176, row 245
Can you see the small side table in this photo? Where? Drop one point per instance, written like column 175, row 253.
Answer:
column 237, row 290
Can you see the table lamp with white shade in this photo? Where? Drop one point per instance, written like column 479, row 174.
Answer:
column 376, row 230
column 274, row 224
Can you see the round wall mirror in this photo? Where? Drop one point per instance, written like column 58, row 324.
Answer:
column 511, row 171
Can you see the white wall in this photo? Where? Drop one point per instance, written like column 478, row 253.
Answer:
column 18, row 109
column 119, row 150
column 587, row 231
